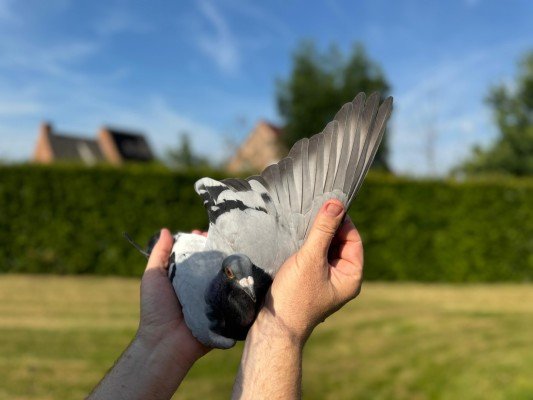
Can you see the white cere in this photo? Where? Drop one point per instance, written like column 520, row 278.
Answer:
column 246, row 282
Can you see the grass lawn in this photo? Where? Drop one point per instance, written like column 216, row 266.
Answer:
column 58, row 336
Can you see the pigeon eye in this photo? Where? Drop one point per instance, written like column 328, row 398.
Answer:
column 229, row 273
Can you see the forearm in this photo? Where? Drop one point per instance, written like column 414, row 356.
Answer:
column 143, row 372
column 271, row 364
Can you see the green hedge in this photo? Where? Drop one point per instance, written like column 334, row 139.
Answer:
column 446, row 231
column 68, row 219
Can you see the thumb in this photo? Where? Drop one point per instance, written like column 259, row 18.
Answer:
column 323, row 230
column 161, row 251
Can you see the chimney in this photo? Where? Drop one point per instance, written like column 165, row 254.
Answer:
column 43, row 149
column 109, row 147
column 45, row 129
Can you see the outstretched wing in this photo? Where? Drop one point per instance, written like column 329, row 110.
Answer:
column 274, row 210
column 331, row 164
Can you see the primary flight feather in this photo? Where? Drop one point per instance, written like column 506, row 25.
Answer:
column 255, row 224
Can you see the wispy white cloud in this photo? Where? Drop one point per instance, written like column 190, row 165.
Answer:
column 218, row 42
column 54, row 60
column 439, row 77
column 268, row 21
column 118, row 21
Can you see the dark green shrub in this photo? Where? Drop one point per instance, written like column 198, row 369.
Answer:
column 69, row 219
column 446, row 231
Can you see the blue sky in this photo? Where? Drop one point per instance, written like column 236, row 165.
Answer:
column 209, row 67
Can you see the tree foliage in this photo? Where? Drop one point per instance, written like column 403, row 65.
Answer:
column 183, row 155
column 320, row 83
column 512, row 151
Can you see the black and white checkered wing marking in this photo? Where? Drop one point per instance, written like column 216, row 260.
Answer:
column 243, row 219
column 231, row 194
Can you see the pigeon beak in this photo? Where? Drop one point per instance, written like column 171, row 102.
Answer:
column 250, row 292
column 247, row 285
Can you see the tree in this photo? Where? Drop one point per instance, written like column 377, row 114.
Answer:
column 512, row 106
column 183, row 155
column 319, row 84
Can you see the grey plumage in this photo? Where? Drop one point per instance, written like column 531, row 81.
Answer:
column 268, row 216
column 189, row 271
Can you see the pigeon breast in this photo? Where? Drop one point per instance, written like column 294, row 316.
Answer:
column 191, row 270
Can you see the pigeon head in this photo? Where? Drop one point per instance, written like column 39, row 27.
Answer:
column 235, row 296
column 237, row 272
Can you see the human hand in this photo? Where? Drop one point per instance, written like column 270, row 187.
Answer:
column 317, row 280
column 162, row 324
column 164, row 349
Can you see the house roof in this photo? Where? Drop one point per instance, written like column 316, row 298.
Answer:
column 73, row 148
column 131, row 146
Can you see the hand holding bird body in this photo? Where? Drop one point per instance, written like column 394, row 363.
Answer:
column 162, row 321
column 317, row 280
column 164, row 349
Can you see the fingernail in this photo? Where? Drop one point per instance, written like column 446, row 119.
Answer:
column 334, row 210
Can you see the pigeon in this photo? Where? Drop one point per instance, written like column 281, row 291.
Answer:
column 255, row 224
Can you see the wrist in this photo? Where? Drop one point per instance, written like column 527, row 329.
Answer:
column 161, row 360
column 275, row 328
column 271, row 364
column 168, row 349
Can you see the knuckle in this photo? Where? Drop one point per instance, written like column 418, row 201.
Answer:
column 326, row 228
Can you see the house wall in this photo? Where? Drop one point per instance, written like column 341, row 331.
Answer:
column 261, row 149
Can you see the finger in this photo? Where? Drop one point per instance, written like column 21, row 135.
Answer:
column 351, row 252
column 347, row 232
column 161, row 251
column 340, row 235
column 347, row 279
column 199, row 232
column 323, row 230
column 350, row 245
